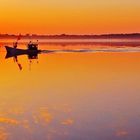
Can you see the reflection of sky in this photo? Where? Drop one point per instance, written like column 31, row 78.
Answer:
column 71, row 96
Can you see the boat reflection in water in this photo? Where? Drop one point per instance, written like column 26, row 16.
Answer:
column 30, row 54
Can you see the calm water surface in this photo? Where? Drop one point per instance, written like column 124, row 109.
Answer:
column 71, row 96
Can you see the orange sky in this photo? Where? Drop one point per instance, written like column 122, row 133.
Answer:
column 69, row 16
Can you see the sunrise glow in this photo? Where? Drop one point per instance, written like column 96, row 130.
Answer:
column 71, row 17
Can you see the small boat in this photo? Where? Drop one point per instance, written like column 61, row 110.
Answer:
column 16, row 51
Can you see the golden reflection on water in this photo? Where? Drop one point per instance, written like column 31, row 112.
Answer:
column 70, row 96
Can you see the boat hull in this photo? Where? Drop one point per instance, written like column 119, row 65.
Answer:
column 14, row 51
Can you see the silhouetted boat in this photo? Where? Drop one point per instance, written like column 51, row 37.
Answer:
column 32, row 54
column 15, row 51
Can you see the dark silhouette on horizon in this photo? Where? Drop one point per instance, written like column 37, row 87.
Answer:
column 67, row 36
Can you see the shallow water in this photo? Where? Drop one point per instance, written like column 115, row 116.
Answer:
column 67, row 95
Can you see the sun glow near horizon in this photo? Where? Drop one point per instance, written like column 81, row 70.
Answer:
column 71, row 17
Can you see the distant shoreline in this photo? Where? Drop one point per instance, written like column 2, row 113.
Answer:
column 66, row 36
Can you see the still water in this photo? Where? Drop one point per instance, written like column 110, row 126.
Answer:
column 66, row 95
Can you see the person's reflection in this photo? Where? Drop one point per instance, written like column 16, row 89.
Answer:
column 16, row 60
column 31, row 57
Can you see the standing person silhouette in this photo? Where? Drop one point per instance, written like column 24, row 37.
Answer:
column 15, row 45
